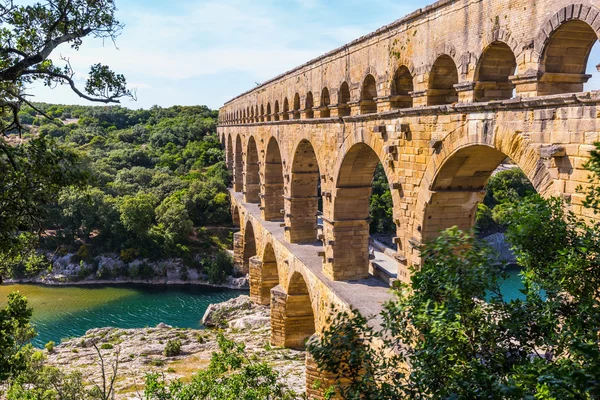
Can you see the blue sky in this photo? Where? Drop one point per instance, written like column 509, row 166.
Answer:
column 191, row 52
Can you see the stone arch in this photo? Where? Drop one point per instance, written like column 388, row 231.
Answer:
column 344, row 100
column 296, row 110
column 251, row 173
column 243, row 116
column 249, row 247
column 235, row 216
column 268, row 112
column 368, row 93
column 564, row 45
column 308, row 106
column 229, row 153
column 442, row 78
column 292, row 316
column 302, row 205
column 492, row 74
column 262, row 112
column 402, row 88
column 276, row 111
column 347, row 247
column 264, row 275
column 325, row 100
column 455, row 178
column 238, row 166
column 286, row 109
column 272, row 199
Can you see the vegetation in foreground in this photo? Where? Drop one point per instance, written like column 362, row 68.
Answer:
column 462, row 339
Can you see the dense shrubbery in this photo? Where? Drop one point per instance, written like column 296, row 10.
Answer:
column 145, row 179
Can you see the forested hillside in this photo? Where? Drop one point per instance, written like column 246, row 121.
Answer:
column 152, row 181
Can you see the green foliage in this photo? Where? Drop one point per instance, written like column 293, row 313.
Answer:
column 15, row 333
column 217, row 269
column 381, row 204
column 231, row 375
column 172, row 348
column 504, row 190
column 50, row 346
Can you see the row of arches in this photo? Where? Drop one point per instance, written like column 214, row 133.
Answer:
column 562, row 68
column 292, row 193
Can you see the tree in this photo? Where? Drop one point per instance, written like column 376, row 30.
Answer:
column 137, row 213
column 15, row 333
column 32, row 32
column 173, row 216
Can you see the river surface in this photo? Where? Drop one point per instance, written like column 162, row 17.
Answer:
column 65, row 311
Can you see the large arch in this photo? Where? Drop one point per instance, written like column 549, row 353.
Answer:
column 564, row 58
column 238, row 166
column 454, row 181
column 302, row 206
column 347, row 247
column 251, row 173
column 492, row 75
column 264, row 276
column 442, row 78
column 402, row 88
column 324, row 111
column 343, row 100
column 368, row 93
column 292, row 316
column 249, row 247
column 272, row 199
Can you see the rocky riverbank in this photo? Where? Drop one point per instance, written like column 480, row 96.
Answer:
column 141, row 351
column 110, row 269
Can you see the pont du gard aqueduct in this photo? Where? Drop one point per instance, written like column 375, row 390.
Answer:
column 440, row 97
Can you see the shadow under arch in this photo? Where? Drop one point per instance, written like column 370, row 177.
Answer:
column 348, row 251
column 442, row 78
column 302, row 205
column 235, row 216
column 251, row 173
column 272, row 199
column 249, row 247
column 238, row 166
column 292, row 316
column 264, row 275
column 229, row 153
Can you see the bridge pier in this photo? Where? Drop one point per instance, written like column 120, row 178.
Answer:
column 263, row 278
column 318, row 381
column 292, row 319
column 346, row 249
column 238, row 253
column 301, row 219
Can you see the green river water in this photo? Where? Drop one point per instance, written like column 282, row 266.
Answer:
column 67, row 311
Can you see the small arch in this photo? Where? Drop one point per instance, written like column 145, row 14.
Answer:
column 264, row 276
column 272, row 199
column 276, row 111
column 269, row 112
column 402, row 88
column 251, row 174
column 286, row 109
column 256, row 114
column 301, row 214
column 235, row 216
column 249, row 247
column 296, row 111
column 308, row 106
column 492, row 75
column 324, row 111
column 442, row 78
column 343, row 100
column 229, row 154
column 564, row 58
column 368, row 105
column 262, row 113
column 238, row 166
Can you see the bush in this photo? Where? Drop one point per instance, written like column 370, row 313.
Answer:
column 218, row 269
column 106, row 346
column 49, row 346
column 172, row 348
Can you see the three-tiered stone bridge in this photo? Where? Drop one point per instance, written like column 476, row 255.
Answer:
column 440, row 98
